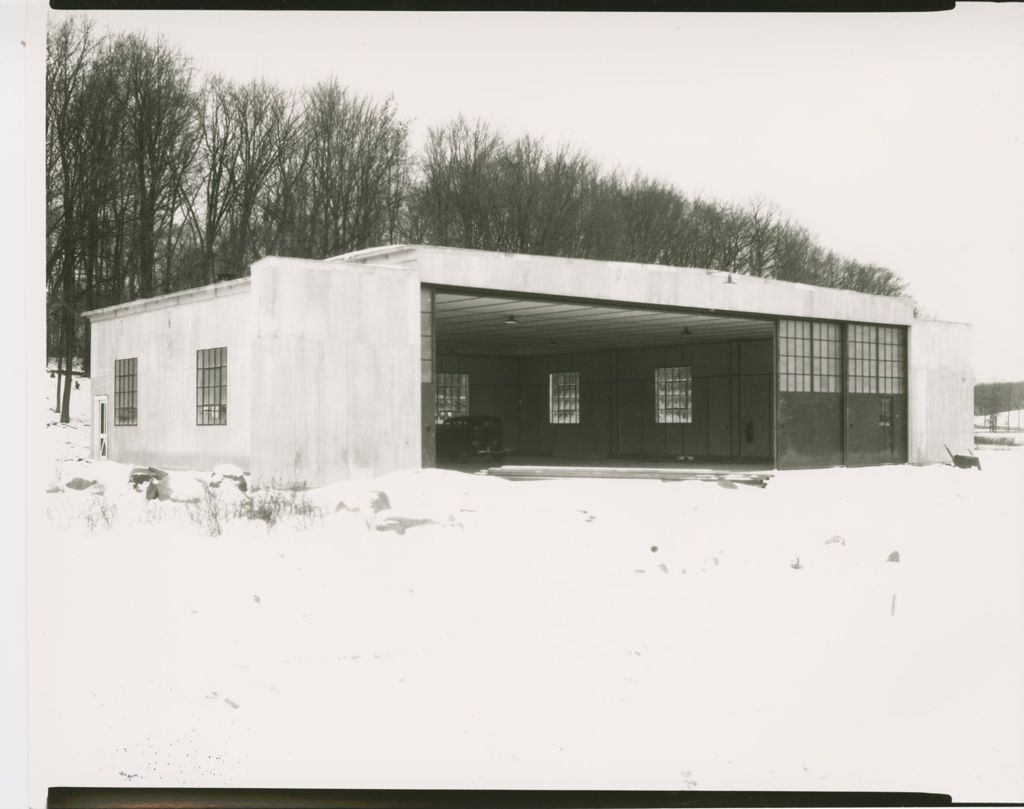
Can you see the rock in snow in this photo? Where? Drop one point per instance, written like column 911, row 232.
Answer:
column 392, row 520
column 373, row 501
column 180, row 487
column 377, row 501
column 142, row 476
column 146, row 478
column 229, row 492
column 80, row 484
column 228, row 472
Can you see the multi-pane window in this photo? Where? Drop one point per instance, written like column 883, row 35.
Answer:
column 892, row 359
column 126, row 391
column 672, row 395
column 827, row 356
column 862, row 349
column 810, row 356
column 212, row 386
column 878, row 359
column 452, row 397
column 795, row 356
column 564, row 398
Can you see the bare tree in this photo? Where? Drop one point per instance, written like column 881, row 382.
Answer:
column 265, row 125
column 541, row 197
column 794, row 252
column 285, row 207
column 160, row 139
column 760, row 234
column 71, row 166
column 355, row 160
column 209, row 190
column 454, row 201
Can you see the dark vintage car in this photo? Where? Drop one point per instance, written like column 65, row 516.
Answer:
column 467, row 437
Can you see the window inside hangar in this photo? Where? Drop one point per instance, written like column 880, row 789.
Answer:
column 673, row 402
column 564, row 398
column 452, row 396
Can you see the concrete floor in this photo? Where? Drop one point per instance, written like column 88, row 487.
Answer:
column 638, row 467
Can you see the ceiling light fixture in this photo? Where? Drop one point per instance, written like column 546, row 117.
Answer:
column 686, row 331
column 511, row 321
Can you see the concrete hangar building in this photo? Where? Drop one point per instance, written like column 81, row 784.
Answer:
column 312, row 371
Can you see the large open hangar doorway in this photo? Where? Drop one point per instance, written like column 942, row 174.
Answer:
column 578, row 381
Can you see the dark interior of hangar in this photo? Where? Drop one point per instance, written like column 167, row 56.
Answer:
column 575, row 381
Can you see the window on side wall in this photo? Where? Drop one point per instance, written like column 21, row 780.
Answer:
column 672, row 397
column 451, row 397
column 564, row 398
column 126, row 392
column 212, row 386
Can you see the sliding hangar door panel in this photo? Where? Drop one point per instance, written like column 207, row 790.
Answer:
column 842, row 394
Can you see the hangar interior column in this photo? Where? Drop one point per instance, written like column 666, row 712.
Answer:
column 427, row 385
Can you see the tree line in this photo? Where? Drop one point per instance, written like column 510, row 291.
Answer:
column 998, row 397
column 159, row 179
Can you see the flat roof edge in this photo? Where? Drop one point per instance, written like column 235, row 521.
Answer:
column 206, row 292
column 326, row 265
column 368, row 252
column 943, row 322
column 626, row 265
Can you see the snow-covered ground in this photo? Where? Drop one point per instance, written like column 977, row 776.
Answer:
column 578, row 634
column 67, row 441
column 1014, row 418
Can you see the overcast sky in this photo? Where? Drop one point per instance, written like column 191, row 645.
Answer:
column 896, row 139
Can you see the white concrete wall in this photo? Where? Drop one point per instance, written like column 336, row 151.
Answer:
column 637, row 283
column 336, row 371
column 164, row 334
column 941, row 382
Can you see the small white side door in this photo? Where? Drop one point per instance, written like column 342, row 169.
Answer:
column 99, row 428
